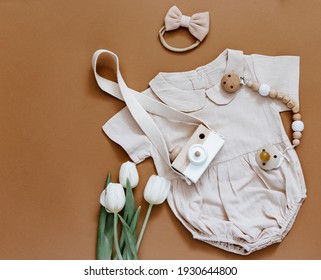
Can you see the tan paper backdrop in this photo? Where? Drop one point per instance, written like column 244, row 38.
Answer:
column 54, row 156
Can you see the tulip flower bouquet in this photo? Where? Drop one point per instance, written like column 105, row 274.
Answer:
column 116, row 204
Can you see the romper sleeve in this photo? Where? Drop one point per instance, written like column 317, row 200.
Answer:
column 281, row 73
column 123, row 130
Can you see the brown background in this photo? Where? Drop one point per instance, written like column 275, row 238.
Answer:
column 53, row 154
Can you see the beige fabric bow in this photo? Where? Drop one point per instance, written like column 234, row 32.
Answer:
column 197, row 24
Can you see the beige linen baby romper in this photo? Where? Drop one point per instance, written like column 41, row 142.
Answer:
column 235, row 205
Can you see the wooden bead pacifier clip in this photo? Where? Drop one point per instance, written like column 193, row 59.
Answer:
column 268, row 157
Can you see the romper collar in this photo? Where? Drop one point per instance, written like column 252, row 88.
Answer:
column 187, row 91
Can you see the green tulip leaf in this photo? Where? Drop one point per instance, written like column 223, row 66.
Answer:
column 129, row 212
column 105, row 232
column 127, row 254
column 130, row 239
column 133, row 226
column 108, row 180
column 109, row 233
column 134, row 222
column 102, row 242
column 130, row 207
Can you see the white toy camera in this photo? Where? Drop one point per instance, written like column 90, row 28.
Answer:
column 198, row 153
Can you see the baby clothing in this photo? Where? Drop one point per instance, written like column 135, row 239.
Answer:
column 236, row 205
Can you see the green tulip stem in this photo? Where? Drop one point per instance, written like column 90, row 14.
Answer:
column 116, row 237
column 139, row 240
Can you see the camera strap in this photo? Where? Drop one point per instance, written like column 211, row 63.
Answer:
column 139, row 104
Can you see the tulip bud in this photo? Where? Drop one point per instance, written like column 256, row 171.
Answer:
column 156, row 190
column 113, row 198
column 128, row 171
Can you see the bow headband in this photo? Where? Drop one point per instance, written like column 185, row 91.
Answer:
column 197, row 25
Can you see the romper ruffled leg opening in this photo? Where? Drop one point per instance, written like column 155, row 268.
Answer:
column 242, row 247
column 237, row 206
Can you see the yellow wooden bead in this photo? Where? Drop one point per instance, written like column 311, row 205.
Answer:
column 296, row 142
column 255, row 86
column 296, row 117
column 273, row 93
column 297, row 135
column 264, row 156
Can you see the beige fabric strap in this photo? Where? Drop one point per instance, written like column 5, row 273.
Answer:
column 150, row 105
column 138, row 104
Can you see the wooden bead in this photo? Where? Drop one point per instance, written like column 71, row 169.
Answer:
column 296, row 109
column 280, row 95
column 273, row 93
column 290, row 104
column 296, row 142
column 255, row 86
column 297, row 135
column 286, row 99
column 296, row 117
column 249, row 84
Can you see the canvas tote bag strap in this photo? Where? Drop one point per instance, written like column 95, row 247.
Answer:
column 142, row 118
column 150, row 105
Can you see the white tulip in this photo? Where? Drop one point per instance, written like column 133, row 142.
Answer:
column 102, row 198
column 128, row 171
column 113, row 198
column 156, row 190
